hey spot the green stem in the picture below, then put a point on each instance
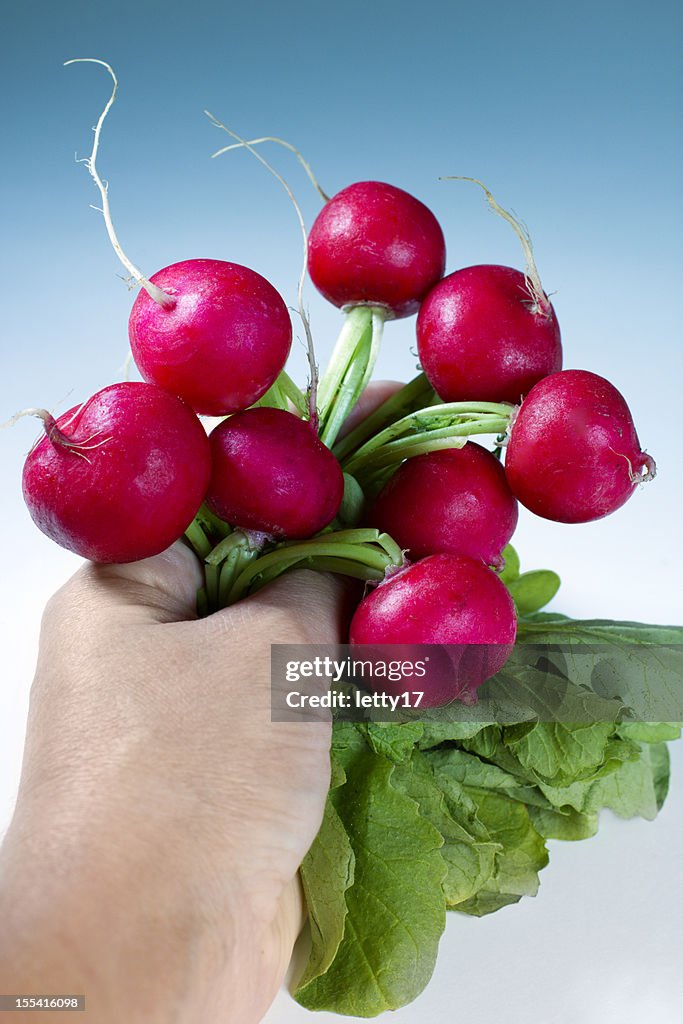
(210, 522)
(211, 575)
(198, 539)
(293, 393)
(350, 368)
(409, 398)
(365, 548)
(396, 451)
(226, 546)
(435, 417)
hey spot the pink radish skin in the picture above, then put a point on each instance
(574, 455)
(455, 500)
(374, 244)
(131, 479)
(223, 342)
(478, 335)
(271, 474)
(447, 600)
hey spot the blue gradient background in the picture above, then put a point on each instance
(571, 114)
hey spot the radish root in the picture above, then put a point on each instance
(287, 145)
(55, 434)
(163, 298)
(539, 299)
(310, 348)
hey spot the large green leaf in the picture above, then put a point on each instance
(396, 910)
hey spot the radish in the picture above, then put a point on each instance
(373, 244)
(221, 344)
(448, 600)
(120, 477)
(271, 474)
(573, 454)
(455, 499)
(214, 333)
(479, 334)
(489, 330)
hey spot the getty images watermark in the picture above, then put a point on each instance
(337, 672)
(576, 683)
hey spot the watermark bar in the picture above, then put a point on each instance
(565, 683)
(41, 1003)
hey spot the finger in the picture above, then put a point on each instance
(374, 395)
(158, 589)
(304, 607)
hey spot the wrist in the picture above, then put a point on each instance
(135, 928)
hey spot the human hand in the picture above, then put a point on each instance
(162, 817)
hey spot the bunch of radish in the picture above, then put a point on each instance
(404, 501)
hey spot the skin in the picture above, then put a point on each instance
(152, 859)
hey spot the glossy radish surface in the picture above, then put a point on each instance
(374, 244)
(126, 478)
(448, 600)
(478, 335)
(221, 345)
(455, 499)
(573, 454)
(271, 474)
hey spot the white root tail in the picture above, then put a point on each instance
(287, 145)
(56, 435)
(310, 348)
(163, 298)
(539, 299)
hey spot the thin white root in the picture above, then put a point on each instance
(125, 368)
(287, 145)
(55, 434)
(310, 348)
(540, 301)
(163, 298)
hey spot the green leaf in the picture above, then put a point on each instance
(522, 856)
(434, 732)
(395, 742)
(533, 590)
(650, 732)
(661, 771)
(326, 873)
(396, 910)
(568, 823)
(469, 862)
(511, 570)
(558, 754)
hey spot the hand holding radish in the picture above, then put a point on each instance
(402, 499)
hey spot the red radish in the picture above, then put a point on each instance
(214, 333)
(222, 343)
(375, 245)
(120, 477)
(453, 499)
(480, 333)
(446, 600)
(574, 455)
(271, 474)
